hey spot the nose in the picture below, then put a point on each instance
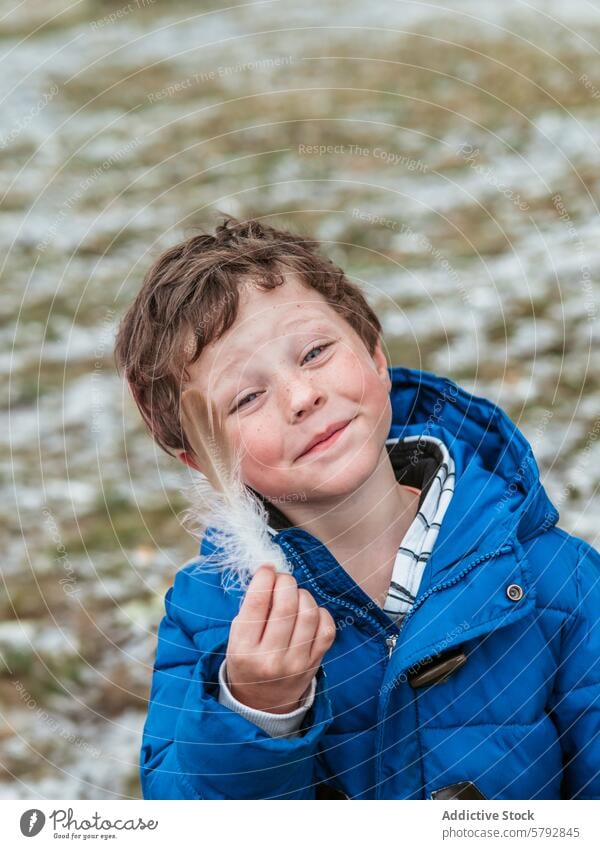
(304, 397)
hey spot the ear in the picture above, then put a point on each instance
(381, 365)
(187, 459)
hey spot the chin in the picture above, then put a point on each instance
(348, 478)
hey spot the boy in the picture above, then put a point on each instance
(438, 638)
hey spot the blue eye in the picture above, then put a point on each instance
(246, 397)
(316, 348)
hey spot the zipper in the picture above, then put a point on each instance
(391, 643)
(360, 612)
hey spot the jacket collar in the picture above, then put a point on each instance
(498, 497)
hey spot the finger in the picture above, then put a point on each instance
(282, 617)
(254, 612)
(324, 637)
(307, 623)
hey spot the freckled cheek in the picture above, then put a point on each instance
(264, 463)
(263, 448)
(375, 406)
(375, 395)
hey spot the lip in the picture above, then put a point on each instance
(333, 433)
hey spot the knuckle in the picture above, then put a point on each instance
(287, 602)
(284, 579)
(309, 602)
(262, 671)
(310, 615)
(269, 667)
(326, 618)
(242, 647)
(295, 668)
(253, 602)
(307, 598)
(286, 606)
(327, 628)
(330, 635)
(306, 646)
(325, 637)
(240, 659)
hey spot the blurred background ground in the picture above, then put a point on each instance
(458, 184)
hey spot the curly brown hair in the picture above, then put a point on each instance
(192, 291)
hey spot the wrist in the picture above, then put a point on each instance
(269, 704)
(275, 725)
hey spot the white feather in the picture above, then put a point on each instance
(221, 506)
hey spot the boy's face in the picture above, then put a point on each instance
(287, 369)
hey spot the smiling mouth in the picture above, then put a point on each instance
(325, 443)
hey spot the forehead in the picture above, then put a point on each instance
(287, 310)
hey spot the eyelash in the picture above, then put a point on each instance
(241, 403)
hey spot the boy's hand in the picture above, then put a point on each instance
(276, 643)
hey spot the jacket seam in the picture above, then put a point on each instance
(418, 733)
(582, 551)
(555, 692)
(466, 639)
(575, 689)
(209, 628)
(486, 725)
(183, 777)
(553, 609)
(571, 615)
(202, 630)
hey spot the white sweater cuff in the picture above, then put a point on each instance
(274, 724)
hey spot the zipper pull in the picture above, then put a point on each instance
(390, 643)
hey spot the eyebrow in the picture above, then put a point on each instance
(231, 360)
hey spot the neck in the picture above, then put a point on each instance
(363, 538)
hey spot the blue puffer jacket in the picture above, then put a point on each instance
(494, 678)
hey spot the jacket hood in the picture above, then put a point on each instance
(498, 495)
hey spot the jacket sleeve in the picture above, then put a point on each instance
(193, 747)
(575, 703)
(275, 724)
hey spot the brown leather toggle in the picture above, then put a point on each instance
(326, 791)
(436, 669)
(461, 790)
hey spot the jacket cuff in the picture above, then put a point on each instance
(274, 724)
(222, 755)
